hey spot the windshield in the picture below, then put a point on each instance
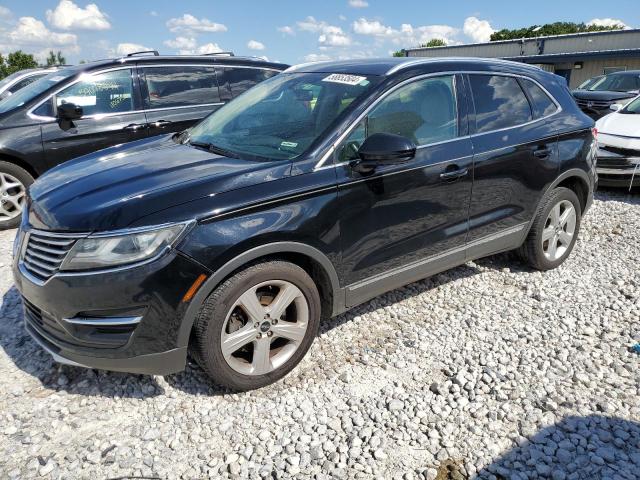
(34, 89)
(632, 107)
(616, 83)
(281, 117)
(588, 82)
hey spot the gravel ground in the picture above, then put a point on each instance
(490, 370)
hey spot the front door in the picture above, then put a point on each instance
(403, 222)
(110, 117)
(177, 96)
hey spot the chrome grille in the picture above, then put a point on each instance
(45, 253)
(599, 104)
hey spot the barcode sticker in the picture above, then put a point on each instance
(344, 78)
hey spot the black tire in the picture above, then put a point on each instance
(532, 249)
(23, 177)
(207, 342)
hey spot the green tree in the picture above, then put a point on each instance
(55, 59)
(434, 42)
(400, 53)
(556, 28)
(16, 61)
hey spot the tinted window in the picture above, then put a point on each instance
(239, 80)
(109, 92)
(25, 81)
(30, 92)
(499, 102)
(179, 86)
(542, 104)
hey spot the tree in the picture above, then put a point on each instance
(400, 53)
(16, 61)
(55, 59)
(434, 42)
(557, 28)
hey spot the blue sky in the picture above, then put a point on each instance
(283, 30)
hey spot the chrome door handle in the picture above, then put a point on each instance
(161, 123)
(457, 173)
(134, 127)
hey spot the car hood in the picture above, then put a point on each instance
(620, 124)
(112, 188)
(601, 96)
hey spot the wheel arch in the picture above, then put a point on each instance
(316, 263)
(5, 157)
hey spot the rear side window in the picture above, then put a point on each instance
(179, 86)
(499, 102)
(542, 104)
(238, 80)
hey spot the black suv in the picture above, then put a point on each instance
(314, 191)
(596, 98)
(81, 109)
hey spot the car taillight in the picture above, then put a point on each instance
(594, 130)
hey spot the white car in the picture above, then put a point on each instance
(619, 146)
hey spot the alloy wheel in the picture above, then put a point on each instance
(12, 194)
(559, 230)
(264, 327)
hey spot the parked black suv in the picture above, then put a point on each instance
(81, 109)
(595, 98)
(313, 192)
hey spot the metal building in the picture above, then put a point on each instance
(576, 57)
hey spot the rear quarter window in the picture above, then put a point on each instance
(542, 104)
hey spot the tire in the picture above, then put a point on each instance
(14, 182)
(230, 315)
(538, 250)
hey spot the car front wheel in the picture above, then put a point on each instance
(14, 182)
(257, 325)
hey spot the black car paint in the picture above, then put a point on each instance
(596, 103)
(40, 143)
(361, 234)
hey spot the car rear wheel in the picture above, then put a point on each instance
(14, 182)
(257, 325)
(554, 230)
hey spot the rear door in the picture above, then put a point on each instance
(515, 157)
(177, 96)
(112, 115)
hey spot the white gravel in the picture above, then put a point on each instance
(490, 370)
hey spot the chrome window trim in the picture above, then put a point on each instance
(207, 65)
(348, 130)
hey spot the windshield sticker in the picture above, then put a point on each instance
(289, 144)
(344, 78)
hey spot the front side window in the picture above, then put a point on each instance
(542, 104)
(499, 102)
(178, 86)
(282, 117)
(424, 111)
(109, 92)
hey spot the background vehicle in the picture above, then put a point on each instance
(587, 83)
(619, 87)
(313, 192)
(18, 80)
(619, 146)
(81, 109)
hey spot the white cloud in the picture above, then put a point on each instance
(287, 30)
(330, 35)
(255, 45)
(190, 24)
(30, 31)
(363, 26)
(477, 30)
(316, 57)
(358, 3)
(208, 48)
(342, 17)
(126, 48)
(607, 22)
(5, 13)
(153, 13)
(182, 43)
(67, 15)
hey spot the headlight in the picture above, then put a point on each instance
(119, 248)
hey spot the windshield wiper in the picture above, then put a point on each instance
(214, 149)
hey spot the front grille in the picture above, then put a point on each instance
(45, 253)
(597, 104)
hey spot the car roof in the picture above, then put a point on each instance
(179, 59)
(625, 72)
(392, 65)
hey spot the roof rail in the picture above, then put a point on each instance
(226, 54)
(144, 52)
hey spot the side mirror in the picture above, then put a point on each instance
(383, 149)
(69, 111)
(615, 107)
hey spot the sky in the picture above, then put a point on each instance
(289, 31)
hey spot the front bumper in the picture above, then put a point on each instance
(618, 167)
(123, 320)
